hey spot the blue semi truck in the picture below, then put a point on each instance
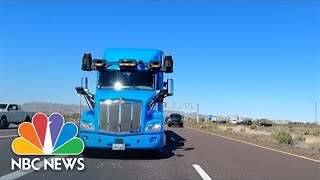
(126, 111)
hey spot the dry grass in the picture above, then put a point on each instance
(72, 118)
(243, 130)
(289, 138)
(253, 126)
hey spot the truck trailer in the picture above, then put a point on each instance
(126, 111)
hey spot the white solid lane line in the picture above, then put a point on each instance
(8, 136)
(201, 172)
(20, 173)
(172, 139)
(16, 129)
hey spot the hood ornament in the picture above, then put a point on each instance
(120, 101)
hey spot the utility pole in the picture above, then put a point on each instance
(316, 111)
(197, 113)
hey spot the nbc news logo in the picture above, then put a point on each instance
(47, 137)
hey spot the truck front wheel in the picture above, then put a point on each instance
(87, 152)
(4, 123)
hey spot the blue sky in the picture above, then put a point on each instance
(258, 60)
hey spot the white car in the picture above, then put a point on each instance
(233, 121)
(12, 113)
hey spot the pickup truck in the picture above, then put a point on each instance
(265, 122)
(12, 113)
(175, 119)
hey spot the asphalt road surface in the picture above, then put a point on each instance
(188, 154)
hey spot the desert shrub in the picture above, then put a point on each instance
(283, 137)
(253, 126)
(243, 130)
(72, 117)
(315, 132)
(212, 126)
(300, 138)
(204, 126)
(307, 132)
(229, 130)
(315, 146)
(192, 123)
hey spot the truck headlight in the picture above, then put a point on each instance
(117, 86)
(86, 125)
(153, 127)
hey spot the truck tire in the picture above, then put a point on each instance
(87, 152)
(28, 119)
(4, 123)
(181, 125)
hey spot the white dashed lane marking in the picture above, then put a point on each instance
(100, 165)
(201, 172)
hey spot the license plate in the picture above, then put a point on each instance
(118, 147)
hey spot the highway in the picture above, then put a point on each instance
(188, 154)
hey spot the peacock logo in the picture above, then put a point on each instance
(46, 136)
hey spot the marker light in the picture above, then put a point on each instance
(108, 102)
(155, 64)
(99, 62)
(117, 86)
(127, 62)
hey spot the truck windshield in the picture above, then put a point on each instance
(3, 106)
(127, 80)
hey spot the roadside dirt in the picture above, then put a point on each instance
(237, 128)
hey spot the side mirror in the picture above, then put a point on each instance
(84, 82)
(167, 64)
(170, 87)
(86, 62)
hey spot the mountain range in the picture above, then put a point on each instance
(52, 107)
(48, 108)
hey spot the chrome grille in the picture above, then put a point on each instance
(116, 117)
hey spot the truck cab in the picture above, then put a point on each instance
(126, 111)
